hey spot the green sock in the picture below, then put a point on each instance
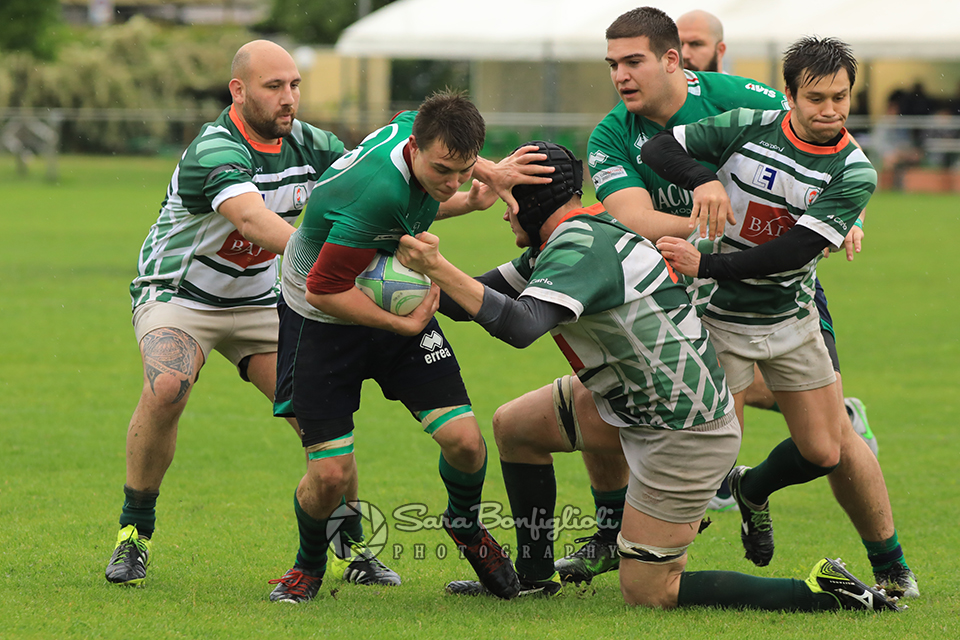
(785, 466)
(609, 511)
(885, 554)
(139, 509)
(312, 554)
(532, 489)
(463, 496)
(730, 589)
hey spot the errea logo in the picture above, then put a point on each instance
(597, 157)
(433, 343)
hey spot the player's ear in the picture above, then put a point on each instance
(789, 95)
(237, 91)
(672, 60)
(412, 140)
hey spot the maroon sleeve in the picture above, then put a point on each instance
(336, 268)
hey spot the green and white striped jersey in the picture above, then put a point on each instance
(775, 181)
(195, 257)
(635, 341)
(367, 199)
(614, 146)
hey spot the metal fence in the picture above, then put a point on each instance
(904, 140)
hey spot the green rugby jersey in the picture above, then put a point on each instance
(614, 146)
(366, 199)
(636, 341)
(195, 257)
(776, 181)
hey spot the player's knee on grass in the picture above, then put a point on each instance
(649, 575)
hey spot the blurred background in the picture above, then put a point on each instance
(140, 76)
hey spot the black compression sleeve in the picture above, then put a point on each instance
(518, 322)
(667, 157)
(792, 250)
(493, 279)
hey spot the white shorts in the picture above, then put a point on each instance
(793, 358)
(236, 333)
(674, 473)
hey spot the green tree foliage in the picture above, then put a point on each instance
(29, 26)
(314, 21)
(135, 65)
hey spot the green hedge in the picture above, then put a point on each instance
(135, 65)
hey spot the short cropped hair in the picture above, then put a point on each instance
(811, 58)
(449, 117)
(648, 22)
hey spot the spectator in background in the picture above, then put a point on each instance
(894, 145)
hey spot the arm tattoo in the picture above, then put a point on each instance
(169, 351)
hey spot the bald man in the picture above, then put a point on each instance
(207, 271)
(701, 37)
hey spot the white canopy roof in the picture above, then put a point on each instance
(573, 29)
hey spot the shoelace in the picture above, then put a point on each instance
(296, 582)
(583, 551)
(494, 557)
(127, 547)
(761, 520)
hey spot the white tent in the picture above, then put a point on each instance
(573, 29)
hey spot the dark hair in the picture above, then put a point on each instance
(811, 58)
(449, 117)
(650, 23)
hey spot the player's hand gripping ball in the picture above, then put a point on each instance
(392, 286)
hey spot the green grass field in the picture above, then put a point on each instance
(70, 377)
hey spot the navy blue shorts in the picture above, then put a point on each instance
(321, 367)
(826, 325)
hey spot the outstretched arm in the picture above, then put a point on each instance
(792, 250)
(517, 322)
(515, 169)
(256, 223)
(711, 206)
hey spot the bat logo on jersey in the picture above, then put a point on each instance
(765, 177)
(811, 195)
(433, 342)
(299, 197)
(242, 252)
(764, 223)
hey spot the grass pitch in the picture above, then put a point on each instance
(70, 376)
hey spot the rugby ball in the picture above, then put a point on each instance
(392, 286)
